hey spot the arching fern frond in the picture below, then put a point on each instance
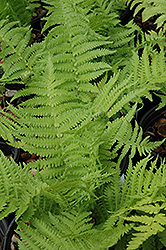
(122, 136)
(18, 57)
(146, 71)
(59, 128)
(16, 10)
(133, 140)
(136, 198)
(150, 8)
(9, 186)
(68, 230)
(15, 189)
(79, 43)
(101, 14)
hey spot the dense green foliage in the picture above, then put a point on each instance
(150, 8)
(17, 10)
(81, 75)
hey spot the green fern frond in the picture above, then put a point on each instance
(155, 38)
(7, 172)
(121, 135)
(68, 230)
(73, 123)
(14, 47)
(121, 36)
(146, 73)
(11, 38)
(113, 192)
(133, 140)
(150, 8)
(162, 237)
(110, 94)
(16, 11)
(148, 208)
(13, 182)
(109, 237)
(102, 15)
(150, 226)
(78, 48)
(57, 75)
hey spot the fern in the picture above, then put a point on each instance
(13, 181)
(101, 15)
(69, 231)
(14, 47)
(73, 123)
(77, 48)
(53, 84)
(152, 219)
(153, 243)
(145, 72)
(16, 11)
(8, 190)
(148, 227)
(150, 8)
(162, 237)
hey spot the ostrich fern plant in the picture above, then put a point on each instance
(72, 122)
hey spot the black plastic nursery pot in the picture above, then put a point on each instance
(126, 15)
(9, 150)
(147, 117)
(37, 24)
(7, 227)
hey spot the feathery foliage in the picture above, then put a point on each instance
(20, 10)
(150, 9)
(18, 56)
(79, 85)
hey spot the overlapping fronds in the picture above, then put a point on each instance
(68, 230)
(142, 191)
(74, 44)
(16, 10)
(68, 126)
(9, 185)
(149, 70)
(73, 124)
(102, 15)
(16, 193)
(121, 136)
(18, 57)
(150, 9)
(64, 104)
(125, 39)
